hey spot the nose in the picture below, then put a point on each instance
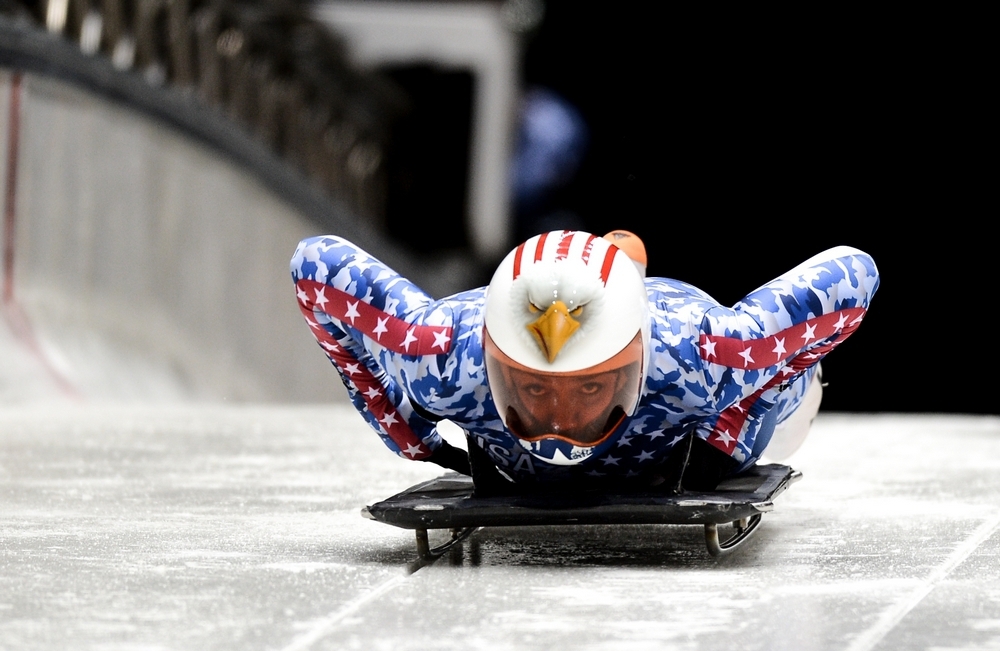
(563, 421)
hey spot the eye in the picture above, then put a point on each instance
(576, 311)
(534, 308)
(534, 390)
(591, 388)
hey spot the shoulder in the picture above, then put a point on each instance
(464, 309)
(675, 292)
(461, 314)
(677, 316)
(675, 305)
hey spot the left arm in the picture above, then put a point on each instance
(776, 335)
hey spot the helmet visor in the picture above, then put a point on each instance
(581, 407)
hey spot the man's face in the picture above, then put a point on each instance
(574, 407)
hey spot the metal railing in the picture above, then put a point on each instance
(266, 64)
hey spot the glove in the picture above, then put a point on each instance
(450, 457)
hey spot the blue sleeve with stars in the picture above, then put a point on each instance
(762, 352)
(408, 360)
(405, 358)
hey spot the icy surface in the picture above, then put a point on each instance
(208, 527)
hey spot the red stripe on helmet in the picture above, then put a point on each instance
(517, 260)
(540, 246)
(564, 243)
(609, 258)
(587, 248)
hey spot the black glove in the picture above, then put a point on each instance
(695, 465)
(452, 458)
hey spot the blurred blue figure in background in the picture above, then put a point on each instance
(552, 141)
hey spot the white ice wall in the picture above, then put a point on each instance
(146, 264)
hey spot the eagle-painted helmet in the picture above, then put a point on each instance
(566, 340)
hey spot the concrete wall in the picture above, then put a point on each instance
(147, 265)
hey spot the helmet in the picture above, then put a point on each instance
(566, 341)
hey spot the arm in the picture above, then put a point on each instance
(380, 331)
(773, 339)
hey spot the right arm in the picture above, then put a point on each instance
(382, 334)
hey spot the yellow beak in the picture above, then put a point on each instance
(553, 329)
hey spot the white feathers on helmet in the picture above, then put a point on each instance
(579, 270)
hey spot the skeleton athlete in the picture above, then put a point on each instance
(573, 370)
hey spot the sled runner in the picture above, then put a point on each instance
(448, 502)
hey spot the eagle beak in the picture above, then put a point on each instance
(553, 329)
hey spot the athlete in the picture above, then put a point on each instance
(572, 370)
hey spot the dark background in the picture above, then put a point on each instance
(737, 147)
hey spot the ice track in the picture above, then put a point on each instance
(238, 527)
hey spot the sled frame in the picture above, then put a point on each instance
(449, 502)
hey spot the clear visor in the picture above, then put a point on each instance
(581, 407)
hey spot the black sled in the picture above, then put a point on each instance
(450, 502)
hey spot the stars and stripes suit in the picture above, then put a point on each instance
(409, 360)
